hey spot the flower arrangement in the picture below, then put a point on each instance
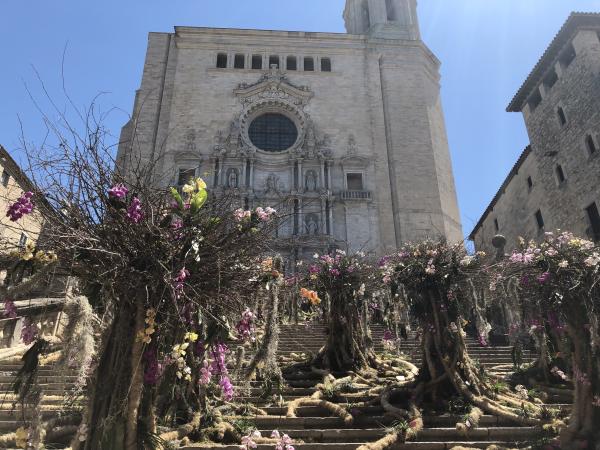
(23, 206)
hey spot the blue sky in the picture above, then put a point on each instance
(487, 48)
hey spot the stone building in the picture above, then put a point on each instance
(13, 183)
(555, 184)
(342, 133)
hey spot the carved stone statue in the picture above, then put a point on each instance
(190, 141)
(232, 178)
(234, 133)
(312, 225)
(272, 183)
(310, 141)
(219, 148)
(352, 145)
(310, 181)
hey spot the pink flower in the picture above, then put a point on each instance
(543, 277)
(21, 207)
(118, 191)
(265, 214)
(245, 327)
(335, 272)
(226, 388)
(205, 374)
(240, 215)
(134, 212)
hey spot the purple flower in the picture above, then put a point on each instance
(153, 370)
(245, 327)
(21, 207)
(388, 336)
(29, 332)
(10, 309)
(543, 277)
(226, 388)
(205, 374)
(118, 191)
(134, 212)
(314, 269)
(334, 272)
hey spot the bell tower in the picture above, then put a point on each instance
(387, 19)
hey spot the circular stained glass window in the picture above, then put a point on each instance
(273, 132)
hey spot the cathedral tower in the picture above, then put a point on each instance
(388, 19)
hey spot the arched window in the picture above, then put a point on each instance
(309, 64)
(222, 61)
(291, 63)
(274, 61)
(257, 62)
(239, 61)
(590, 145)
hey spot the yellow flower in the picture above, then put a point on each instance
(189, 188)
(192, 337)
(21, 437)
(200, 184)
(27, 256)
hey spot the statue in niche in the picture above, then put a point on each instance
(272, 183)
(310, 141)
(310, 181)
(234, 133)
(232, 178)
(352, 150)
(190, 141)
(312, 225)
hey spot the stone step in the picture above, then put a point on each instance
(518, 434)
(354, 445)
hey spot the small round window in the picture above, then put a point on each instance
(273, 132)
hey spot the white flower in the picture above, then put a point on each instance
(593, 260)
(563, 264)
(466, 261)
(316, 256)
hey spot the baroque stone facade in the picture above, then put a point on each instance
(343, 133)
(555, 183)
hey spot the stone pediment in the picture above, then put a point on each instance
(273, 86)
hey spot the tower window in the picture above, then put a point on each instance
(309, 64)
(561, 116)
(291, 63)
(185, 175)
(222, 61)
(257, 62)
(539, 219)
(594, 218)
(5, 178)
(560, 174)
(354, 181)
(535, 99)
(22, 240)
(551, 79)
(567, 56)
(239, 62)
(529, 182)
(391, 10)
(590, 145)
(325, 65)
(496, 226)
(274, 61)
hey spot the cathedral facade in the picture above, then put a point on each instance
(343, 133)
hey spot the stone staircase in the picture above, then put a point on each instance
(314, 428)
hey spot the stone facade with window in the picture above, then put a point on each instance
(343, 133)
(555, 184)
(13, 183)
